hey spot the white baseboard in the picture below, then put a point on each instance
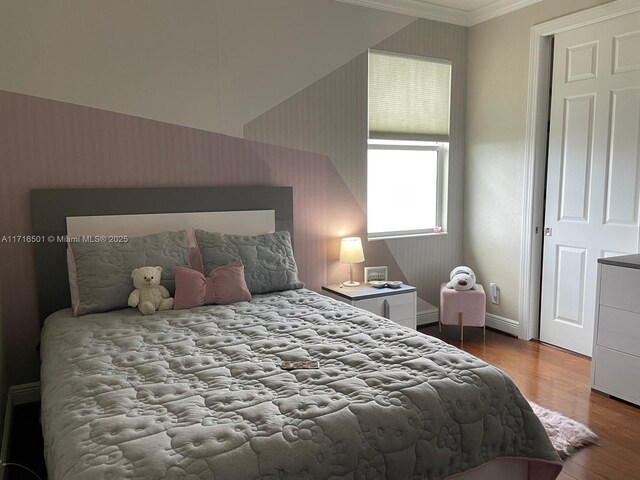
(427, 318)
(503, 324)
(497, 322)
(18, 395)
(25, 393)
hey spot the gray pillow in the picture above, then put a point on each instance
(268, 260)
(100, 273)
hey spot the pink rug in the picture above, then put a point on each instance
(566, 434)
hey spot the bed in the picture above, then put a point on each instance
(200, 393)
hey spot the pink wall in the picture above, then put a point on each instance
(49, 144)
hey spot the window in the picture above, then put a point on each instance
(408, 144)
(402, 175)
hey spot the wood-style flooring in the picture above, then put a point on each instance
(560, 381)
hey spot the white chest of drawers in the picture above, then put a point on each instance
(615, 367)
(397, 304)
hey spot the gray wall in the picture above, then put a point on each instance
(496, 127)
(427, 261)
(208, 64)
(330, 117)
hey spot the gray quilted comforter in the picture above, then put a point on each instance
(199, 394)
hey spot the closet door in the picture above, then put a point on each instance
(593, 173)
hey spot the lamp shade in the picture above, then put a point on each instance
(351, 250)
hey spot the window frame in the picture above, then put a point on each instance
(441, 148)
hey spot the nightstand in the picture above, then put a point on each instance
(397, 304)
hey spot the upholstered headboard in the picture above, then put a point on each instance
(51, 207)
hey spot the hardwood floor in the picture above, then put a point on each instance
(560, 381)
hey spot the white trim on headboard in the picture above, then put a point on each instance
(248, 222)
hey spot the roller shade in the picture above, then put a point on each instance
(409, 96)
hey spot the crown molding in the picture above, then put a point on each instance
(432, 11)
(416, 8)
(497, 9)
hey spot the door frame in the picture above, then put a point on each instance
(535, 158)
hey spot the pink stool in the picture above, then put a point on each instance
(462, 308)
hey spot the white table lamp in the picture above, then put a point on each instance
(351, 252)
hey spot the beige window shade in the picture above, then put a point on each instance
(409, 96)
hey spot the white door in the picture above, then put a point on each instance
(593, 176)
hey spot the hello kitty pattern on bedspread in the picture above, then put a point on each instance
(199, 394)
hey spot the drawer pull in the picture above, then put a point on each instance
(386, 310)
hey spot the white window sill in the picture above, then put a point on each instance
(392, 237)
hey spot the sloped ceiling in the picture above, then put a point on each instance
(459, 12)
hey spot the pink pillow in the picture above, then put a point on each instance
(195, 257)
(223, 285)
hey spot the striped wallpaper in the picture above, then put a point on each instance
(330, 117)
(48, 144)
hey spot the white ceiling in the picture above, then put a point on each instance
(459, 12)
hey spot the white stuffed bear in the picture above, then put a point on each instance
(462, 278)
(149, 295)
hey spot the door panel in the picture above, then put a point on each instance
(569, 287)
(593, 175)
(626, 48)
(622, 168)
(576, 157)
(582, 61)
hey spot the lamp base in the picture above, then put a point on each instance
(350, 283)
